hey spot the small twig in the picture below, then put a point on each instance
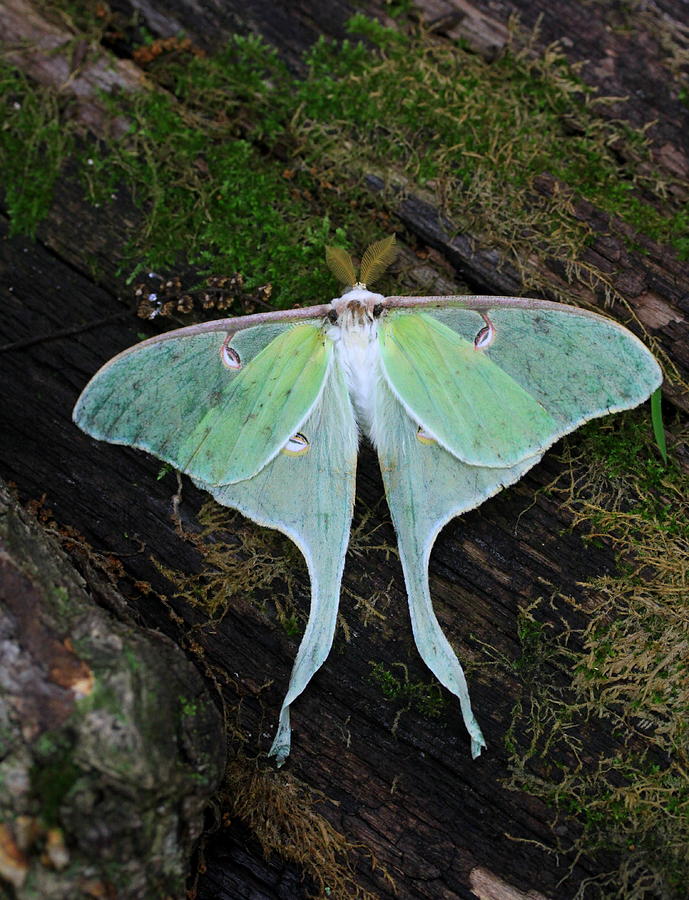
(65, 332)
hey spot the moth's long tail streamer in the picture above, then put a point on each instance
(435, 649)
(312, 653)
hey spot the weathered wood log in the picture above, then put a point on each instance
(400, 783)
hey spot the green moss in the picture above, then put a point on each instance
(477, 134)
(209, 168)
(241, 166)
(53, 776)
(648, 491)
(35, 141)
(534, 640)
(133, 660)
(219, 205)
(63, 604)
(292, 625)
(424, 697)
(189, 707)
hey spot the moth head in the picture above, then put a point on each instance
(376, 259)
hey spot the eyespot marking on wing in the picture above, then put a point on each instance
(229, 356)
(424, 437)
(486, 335)
(297, 445)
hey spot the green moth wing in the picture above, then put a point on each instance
(467, 404)
(465, 400)
(308, 494)
(577, 364)
(218, 406)
(426, 487)
(572, 365)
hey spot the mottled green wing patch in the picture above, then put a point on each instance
(467, 402)
(576, 364)
(177, 399)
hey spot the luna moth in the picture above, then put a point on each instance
(460, 395)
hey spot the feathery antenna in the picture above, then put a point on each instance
(341, 265)
(376, 259)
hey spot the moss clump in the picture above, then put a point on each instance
(215, 203)
(477, 133)
(282, 814)
(425, 697)
(213, 164)
(625, 673)
(35, 140)
(435, 116)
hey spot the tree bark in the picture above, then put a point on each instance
(111, 743)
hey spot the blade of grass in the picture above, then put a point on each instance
(657, 420)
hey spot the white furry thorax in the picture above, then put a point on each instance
(355, 336)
